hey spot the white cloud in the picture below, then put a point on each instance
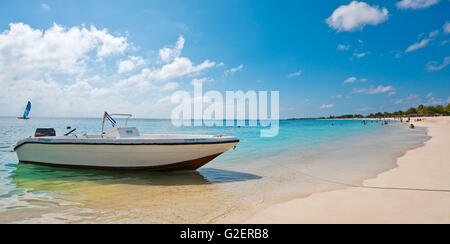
(416, 4)
(360, 55)
(433, 34)
(350, 80)
(433, 65)
(180, 66)
(80, 98)
(32, 52)
(392, 93)
(199, 81)
(125, 66)
(337, 96)
(418, 45)
(169, 54)
(298, 73)
(422, 43)
(446, 27)
(130, 64)
(45, 7)
(374, 90)
(355, 16)
(64, 72)
(170, 86)
(110, 45)
(327, 106)
(140, 80)
(354, 79)
(234, 70)
(342, 47)
(176, 67)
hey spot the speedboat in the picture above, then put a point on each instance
(122, 148)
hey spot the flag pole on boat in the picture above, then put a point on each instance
(103, 123)
(113, 121)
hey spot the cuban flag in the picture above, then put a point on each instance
(113, 122)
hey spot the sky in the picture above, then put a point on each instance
(80, 58)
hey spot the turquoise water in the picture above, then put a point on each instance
(235, 180)
(292, 134)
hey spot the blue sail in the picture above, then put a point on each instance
(27, 109)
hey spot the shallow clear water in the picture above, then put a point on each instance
(258, 171)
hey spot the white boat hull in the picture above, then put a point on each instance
(121, 156)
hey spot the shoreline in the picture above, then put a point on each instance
(422, 167)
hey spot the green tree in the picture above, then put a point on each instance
(440, 109)
(411, 111)
(447, 108)
(429, 110)
(398, 113)
(420, 109)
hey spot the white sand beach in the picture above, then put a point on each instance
(426, 167)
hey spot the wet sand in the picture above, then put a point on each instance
(426, 167)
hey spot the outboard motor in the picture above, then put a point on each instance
(41, 132)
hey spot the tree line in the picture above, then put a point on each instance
(420, 110)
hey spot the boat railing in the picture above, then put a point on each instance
(125, 115)
(126, 121)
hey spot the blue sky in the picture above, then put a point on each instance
(325, 57)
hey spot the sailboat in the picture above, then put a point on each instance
(27, 111)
